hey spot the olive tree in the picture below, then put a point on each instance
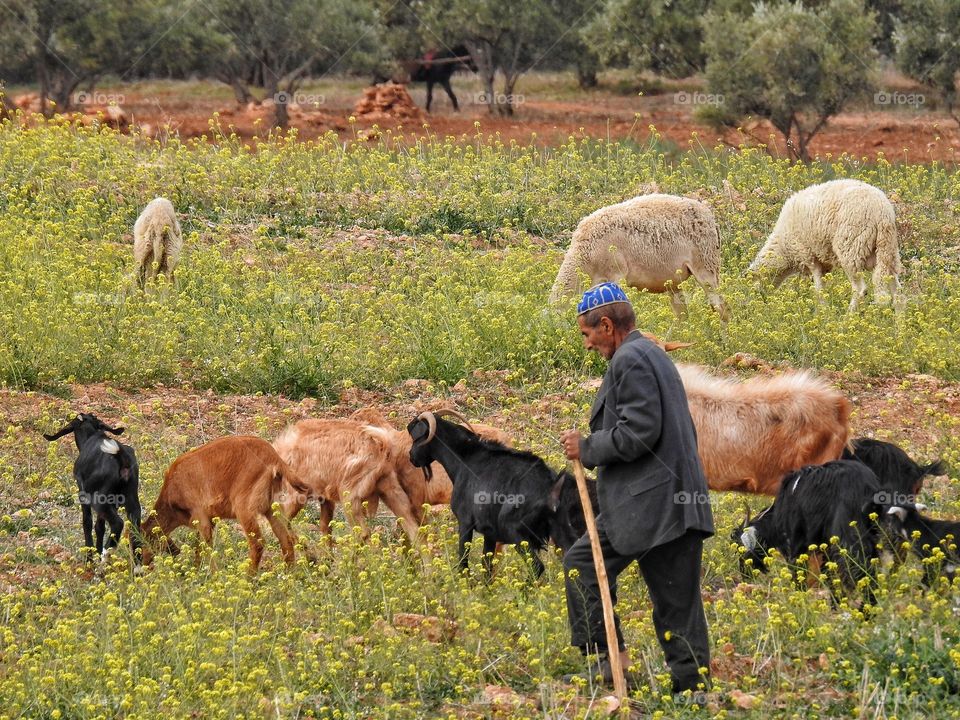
(927, 45)
(793, 65)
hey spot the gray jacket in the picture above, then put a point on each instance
(650, 480)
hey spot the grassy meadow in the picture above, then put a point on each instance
(322, 276)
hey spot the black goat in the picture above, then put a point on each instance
(930, 535)
(897, 473)
(813, 505)
(506, 495)
(438, 67)
(107, 477)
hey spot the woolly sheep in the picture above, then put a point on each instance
(651, 242)
(156, 240)
(844, 223)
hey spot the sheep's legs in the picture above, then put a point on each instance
(859, 291)
(677, 301)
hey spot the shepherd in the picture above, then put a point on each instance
(654, 505)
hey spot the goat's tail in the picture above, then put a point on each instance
(567, 279)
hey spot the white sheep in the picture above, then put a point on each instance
(156, 240)
(651, 242)
(842, 222)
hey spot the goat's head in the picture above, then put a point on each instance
(748, 536)
(85, 424)
(423, 430)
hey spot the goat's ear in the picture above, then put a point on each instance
(116, 430)
(553, 500)
(671, 346)
(65, 430)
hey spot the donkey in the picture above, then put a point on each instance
(436, 66)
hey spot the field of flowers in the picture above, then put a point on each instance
(318, 277)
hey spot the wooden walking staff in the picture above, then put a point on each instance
(613, 647)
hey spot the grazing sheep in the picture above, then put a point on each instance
(239, 476)
(156, 240)
(651, 242)
(751, 434)
(844, 223)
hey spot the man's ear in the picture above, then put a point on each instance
(607, 324)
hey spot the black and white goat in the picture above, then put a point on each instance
(814, 505)
(926, 535)
(506, 495)
(107, 478)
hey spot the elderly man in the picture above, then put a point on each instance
(654, 505)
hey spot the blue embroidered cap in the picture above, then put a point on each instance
(605, 293)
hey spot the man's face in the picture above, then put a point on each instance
(600, 338)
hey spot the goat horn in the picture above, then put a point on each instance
(431, 424)
(447, 412)
(746, 509)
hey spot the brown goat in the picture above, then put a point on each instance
(439, 489)
(238, 476)
(367, 459)
(751, 434)
(346, 459)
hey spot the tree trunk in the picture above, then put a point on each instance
(240, 92)
(483, 58)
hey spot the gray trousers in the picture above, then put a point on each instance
(672, 574)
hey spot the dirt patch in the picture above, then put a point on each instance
(920, 136)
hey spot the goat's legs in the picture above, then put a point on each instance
(429, 94)
(99, 528)
(466, 535)
(251, 527)
(489, 550)
(112, 517)
(532, 556)
(400, 505)
(286, 538)
(87, 521)
(134, 515)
